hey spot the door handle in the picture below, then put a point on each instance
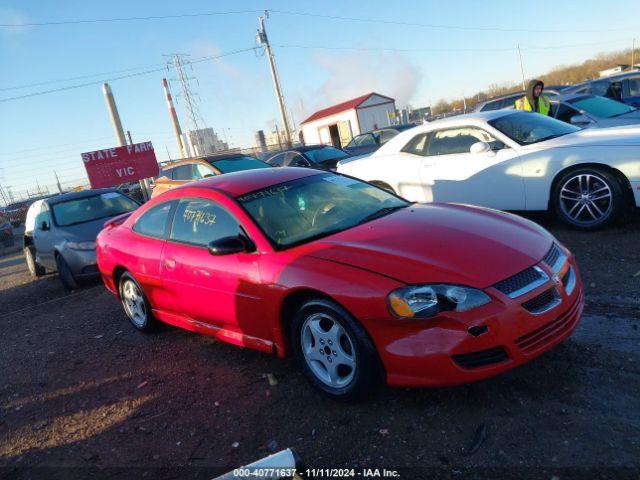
(169, 263)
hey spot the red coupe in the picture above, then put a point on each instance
(358, 284)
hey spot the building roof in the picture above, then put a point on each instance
(341, 107)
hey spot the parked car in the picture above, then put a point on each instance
(60, 232)
(17, 211)
(512, 160)
(6, 231)
(192, 169)
(623, 88)
(591, 111)
(324, 157)
(358, 284)
(509, 100)
(370, 141)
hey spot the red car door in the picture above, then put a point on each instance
(143, 255)
(222, 291)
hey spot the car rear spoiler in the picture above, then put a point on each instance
(115, 221)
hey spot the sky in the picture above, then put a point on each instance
(418, 52)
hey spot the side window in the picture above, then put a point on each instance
(614, 91)
(634, 87)
(198, 222)
(277, 160)
(294, 159)
(202, 171)
(459, 140)
(600, 88)
(43, 216)
(183, 172)
(168, 173)
(565, 113)
(417, 144)
(386, 135)
(154, 222)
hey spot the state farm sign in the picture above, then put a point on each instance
(113, 166)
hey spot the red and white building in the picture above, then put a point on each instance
(338, 124)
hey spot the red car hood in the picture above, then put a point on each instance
(440, 243)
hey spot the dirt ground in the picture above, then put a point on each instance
(84, 394)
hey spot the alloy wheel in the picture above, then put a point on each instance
(134, 303)
(586, 198)
(328, 350)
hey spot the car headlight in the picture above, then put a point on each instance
(425, 301)
(82, 245)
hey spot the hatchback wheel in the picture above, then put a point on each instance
(35, 269)
(334, 351)
(135, 303)
(588, 198)
(65, 274)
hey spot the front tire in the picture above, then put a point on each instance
(36, 270)
(65, 274)
(334, 351)
(135, 304)
(588, 198)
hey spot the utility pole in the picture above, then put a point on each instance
(174, 117)
(521, 68)
(633, 53)
(264, 40)
(58, 182)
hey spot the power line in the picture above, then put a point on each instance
(444, 26)
(131, 75)
(124, 19)
(474, 50)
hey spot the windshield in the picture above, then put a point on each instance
(319, 155)
(308, 208)
(601, 107)
(528, 127)
(236, 164)
(91, 208)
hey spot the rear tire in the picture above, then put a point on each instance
(35, 269)
(588, 198)
(65, 275)
(334, 351)
(135, 304)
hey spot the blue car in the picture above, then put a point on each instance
(624, 88)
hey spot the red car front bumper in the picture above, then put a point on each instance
(470, 346)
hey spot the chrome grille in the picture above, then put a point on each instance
(554, 258)
(543, 302)
(522, 282)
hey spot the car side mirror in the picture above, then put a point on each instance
(44, 226)
(480, 147)
(580, 120)
(229, 245)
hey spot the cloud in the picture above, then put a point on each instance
(353, 74)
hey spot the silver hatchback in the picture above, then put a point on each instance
(60, 232)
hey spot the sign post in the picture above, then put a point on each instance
(113, 166)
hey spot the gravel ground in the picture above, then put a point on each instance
(83, 394)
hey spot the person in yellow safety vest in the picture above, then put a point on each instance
(534, 101)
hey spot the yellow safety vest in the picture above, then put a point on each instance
(543, 104)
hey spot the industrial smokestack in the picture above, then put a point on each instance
(113, 113)
(174, 117)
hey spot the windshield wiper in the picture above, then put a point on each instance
(380, 213)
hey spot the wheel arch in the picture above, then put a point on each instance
(290, 304)
(627, 191)
(118, 271)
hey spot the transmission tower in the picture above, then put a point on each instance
(180, 62)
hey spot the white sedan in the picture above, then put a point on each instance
(511, 160)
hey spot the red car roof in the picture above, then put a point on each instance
(239, 183)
